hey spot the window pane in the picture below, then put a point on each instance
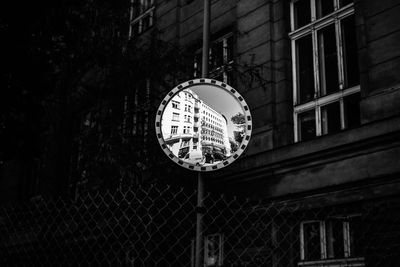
(352, 74)
(312, 241)
(136, 29)
(136, 8)
(329, 76)
(230, 78)
(357, 233)
(146, 22)
(331, 118)
(307, 125)
(324, 7)
(345, 2)
(229, 49)
(217, 55)
(302, 11)
(305, 69)
(335, 239)
(352, 110)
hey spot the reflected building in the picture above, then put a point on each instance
(190, 124)
(214, 132)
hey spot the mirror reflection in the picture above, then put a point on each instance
(203, 125)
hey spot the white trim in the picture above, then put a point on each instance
(318, 121)
(322, 229)
(347, 256)
(313, 7)
(348, 262)
(294, 71)
(292, 26)
(346, 240)
(133, 21)
(322, 22)
(342, 114)
(296, 126)
(315, 53)
(322, 101)
(302, 253)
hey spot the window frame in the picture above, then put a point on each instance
(175, 116)
(174, 129)
(319, 101)
(345, 220)
(146, 8)
(226, 64)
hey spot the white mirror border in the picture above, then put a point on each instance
(188, 85)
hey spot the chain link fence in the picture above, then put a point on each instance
(155, 226)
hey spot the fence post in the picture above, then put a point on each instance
(199, 222)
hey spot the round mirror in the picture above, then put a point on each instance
(203, 124)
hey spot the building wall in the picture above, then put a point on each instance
(179, 113)
(189, 123)
(274, 165)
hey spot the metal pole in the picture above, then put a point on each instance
(206, 38)
(199, 223)
(200, 182)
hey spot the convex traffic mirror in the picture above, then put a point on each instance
(203, 124)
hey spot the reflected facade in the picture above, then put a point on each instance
(195, 131)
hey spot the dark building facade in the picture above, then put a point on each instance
(321, 79)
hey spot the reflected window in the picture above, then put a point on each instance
(175, 116)
(174, 129)
(175, 104)
(326, 81)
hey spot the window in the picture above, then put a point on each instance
(186, 129)
(184, 143)
(325, 67)
(175, 104)
(332, 239)
(142, 13)
(175, 116)
(220, 59)
(174, 129)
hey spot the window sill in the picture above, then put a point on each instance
(349, 262)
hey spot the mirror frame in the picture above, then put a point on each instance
(207, 82)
